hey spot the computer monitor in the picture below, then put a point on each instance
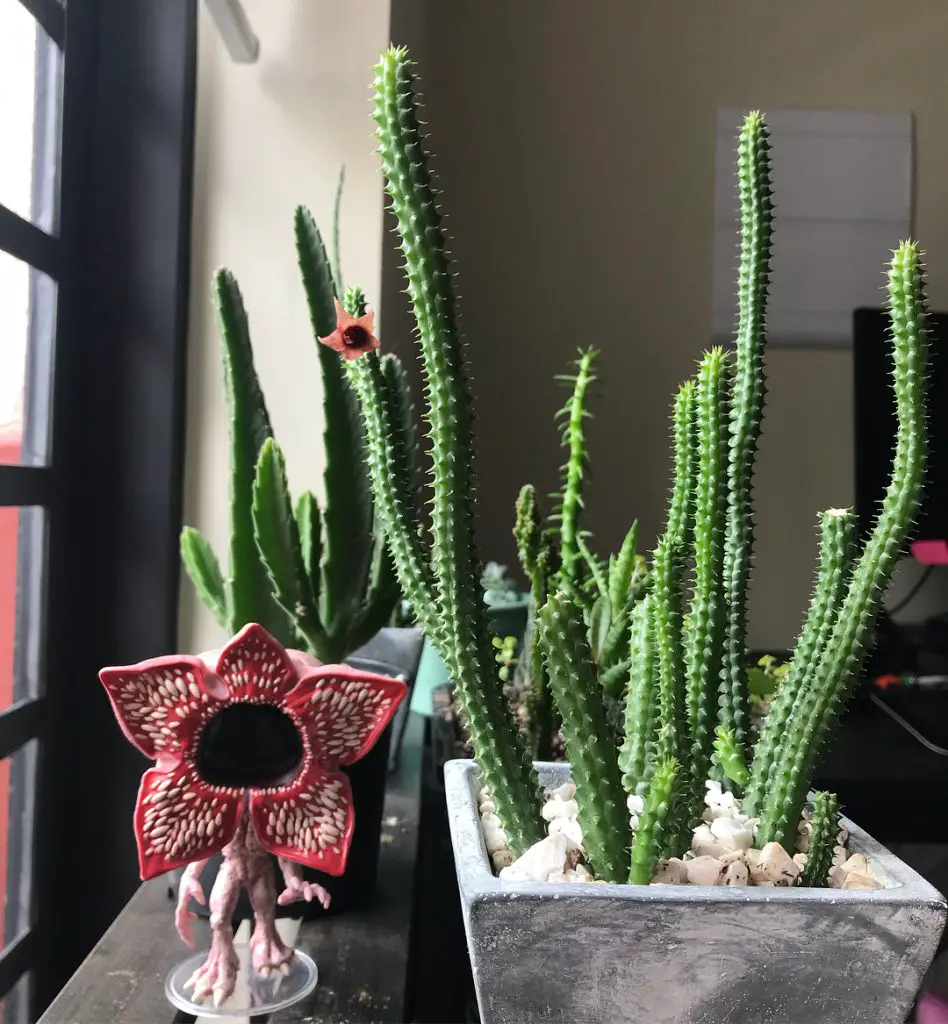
(874, 414)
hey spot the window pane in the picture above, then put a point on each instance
(27, 327)
(22, 576)
(30, 88)
(17, 790)
(15, 1008)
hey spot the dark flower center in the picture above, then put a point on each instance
(248, 746)
(355, 336)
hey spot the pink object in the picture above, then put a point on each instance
(930, 552)
(353, 335)
(932, 1009)
(211, 715)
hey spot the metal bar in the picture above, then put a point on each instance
(25, 485)
(20, 724)
(15, 959)
(28, 243)
(51, 17)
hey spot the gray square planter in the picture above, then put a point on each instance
(603, 954)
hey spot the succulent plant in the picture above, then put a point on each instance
(685, 673)
(318, 576)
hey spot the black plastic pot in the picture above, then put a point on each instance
(393, 652)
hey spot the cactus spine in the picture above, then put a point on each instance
(461, 632)
(589, 743)
(746, 408)
(829, 682)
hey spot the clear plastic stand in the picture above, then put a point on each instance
(253, 995)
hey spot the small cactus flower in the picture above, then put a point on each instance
(353, 334)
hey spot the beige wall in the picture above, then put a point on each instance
(271, 135)
(576, 154)
(575, 145)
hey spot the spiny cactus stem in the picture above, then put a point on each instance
(602, 811)
(705, 646)
(824, 833)
(828, 685)
(730, 756)
(747, 408)
(640, 710)
(681, 509)
(575, 468)
(667, 639)
(837, 533)
(650, 835)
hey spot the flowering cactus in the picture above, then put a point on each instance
(684, 668)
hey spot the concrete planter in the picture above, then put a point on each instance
(600, 954)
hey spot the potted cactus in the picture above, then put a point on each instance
(677, 868)
(318, 577)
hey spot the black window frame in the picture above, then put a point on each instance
(112, 489)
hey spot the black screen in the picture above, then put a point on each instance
(874, 411)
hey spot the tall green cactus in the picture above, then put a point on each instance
(443, 583)
(753, 169)
(828, 683)
(589, 743)
(705, 638)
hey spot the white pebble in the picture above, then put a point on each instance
(539, 862)
(635, 803)
(565, 792)
(671, 872)
(777, 866)
(704, 871)
(559, 809)
(736, 873)
(733, 833)
(568, 827)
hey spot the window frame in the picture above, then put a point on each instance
(112, 487)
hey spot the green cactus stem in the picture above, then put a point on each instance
(829, 683)
(824, 834)
(681, 508)
(205, 571)
(340, 287)
(640, 703)
(589, 741)
(570, 499)
(535, 557)
(746, 410)
(705, 638)
(837, 540)
(462, 636)
(666, 632)
(278, 539)
(622, 568)
(248, 591)
(650, 836)
(730, 756)
(347, 516)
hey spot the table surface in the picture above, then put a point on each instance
(362, 955)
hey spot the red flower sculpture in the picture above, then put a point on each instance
(353, 334)
(166, 706)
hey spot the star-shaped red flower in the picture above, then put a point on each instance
(164, 706)
(353, 335)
